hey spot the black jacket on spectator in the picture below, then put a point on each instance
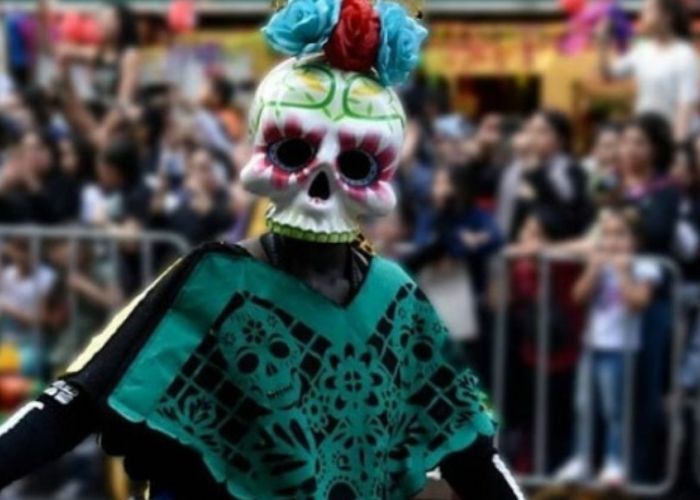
(558, 190)
(63, 193)
(198, 227)
(24, 206)
(659, 210)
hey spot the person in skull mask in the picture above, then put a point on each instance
(299, 364)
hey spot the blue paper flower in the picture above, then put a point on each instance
(401, 39)
(302, 26)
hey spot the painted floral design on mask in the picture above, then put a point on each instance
(327, 144)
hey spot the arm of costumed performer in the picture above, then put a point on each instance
(44, 430)
(68, 411)
(479, 473)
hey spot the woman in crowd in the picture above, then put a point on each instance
(554, 182)
(664, 66)
(114, 60)
(199, 209)
(111, 56)
(646, 155)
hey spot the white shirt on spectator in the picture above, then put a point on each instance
(98, 207)
(449, 288)
(26, 292)
(667, 76)
(612, 325)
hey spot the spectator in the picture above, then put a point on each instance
(215, 119)
(219, 96)
(86, 287)
(449, 134)
(646, 154)
(23, 197)
(686, 175)
(619, 285)
(523, 158)
(72, 167)
(24, 286)
(603, 165)
(118, 193)
(454, 240)
(525, 290)
(115, 60)
(520, 287)
(489, 159)
(200, 210)
(554, 182)
(664, 66)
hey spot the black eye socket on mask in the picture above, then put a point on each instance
(291, 154)
(358, 167)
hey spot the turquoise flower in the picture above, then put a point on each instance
(401, 39)
(302, 26)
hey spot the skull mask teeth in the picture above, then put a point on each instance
(326, 145)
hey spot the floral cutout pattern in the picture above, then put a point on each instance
(282, 410)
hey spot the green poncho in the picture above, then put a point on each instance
(286, 394)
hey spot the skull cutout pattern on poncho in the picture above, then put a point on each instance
(265, 363)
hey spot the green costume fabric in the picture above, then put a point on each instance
(286, 394)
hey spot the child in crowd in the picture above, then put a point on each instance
(618, 285)
(24, 287)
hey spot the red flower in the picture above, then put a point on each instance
(354, 43)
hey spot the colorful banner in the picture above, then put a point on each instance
(460, 48)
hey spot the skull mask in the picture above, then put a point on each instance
(326, 145)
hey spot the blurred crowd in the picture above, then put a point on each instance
(486, 203)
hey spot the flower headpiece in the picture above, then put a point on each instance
(354, 35)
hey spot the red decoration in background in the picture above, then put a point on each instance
(80, 29)
(572, 7)
(182, 16)
(14, 390)
(90, 31)
(70, 27)
(354, 43)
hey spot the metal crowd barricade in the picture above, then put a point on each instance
(38, 238)
(28, 247)
(543, 470)
(692, 400)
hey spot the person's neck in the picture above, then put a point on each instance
(664, 38)
(305, 258)
(636, 179)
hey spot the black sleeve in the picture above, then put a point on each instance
(112, 351)
(477, 473)
(44, 430)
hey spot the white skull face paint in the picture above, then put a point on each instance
(327, 144)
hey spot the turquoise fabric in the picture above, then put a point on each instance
(286, 394)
